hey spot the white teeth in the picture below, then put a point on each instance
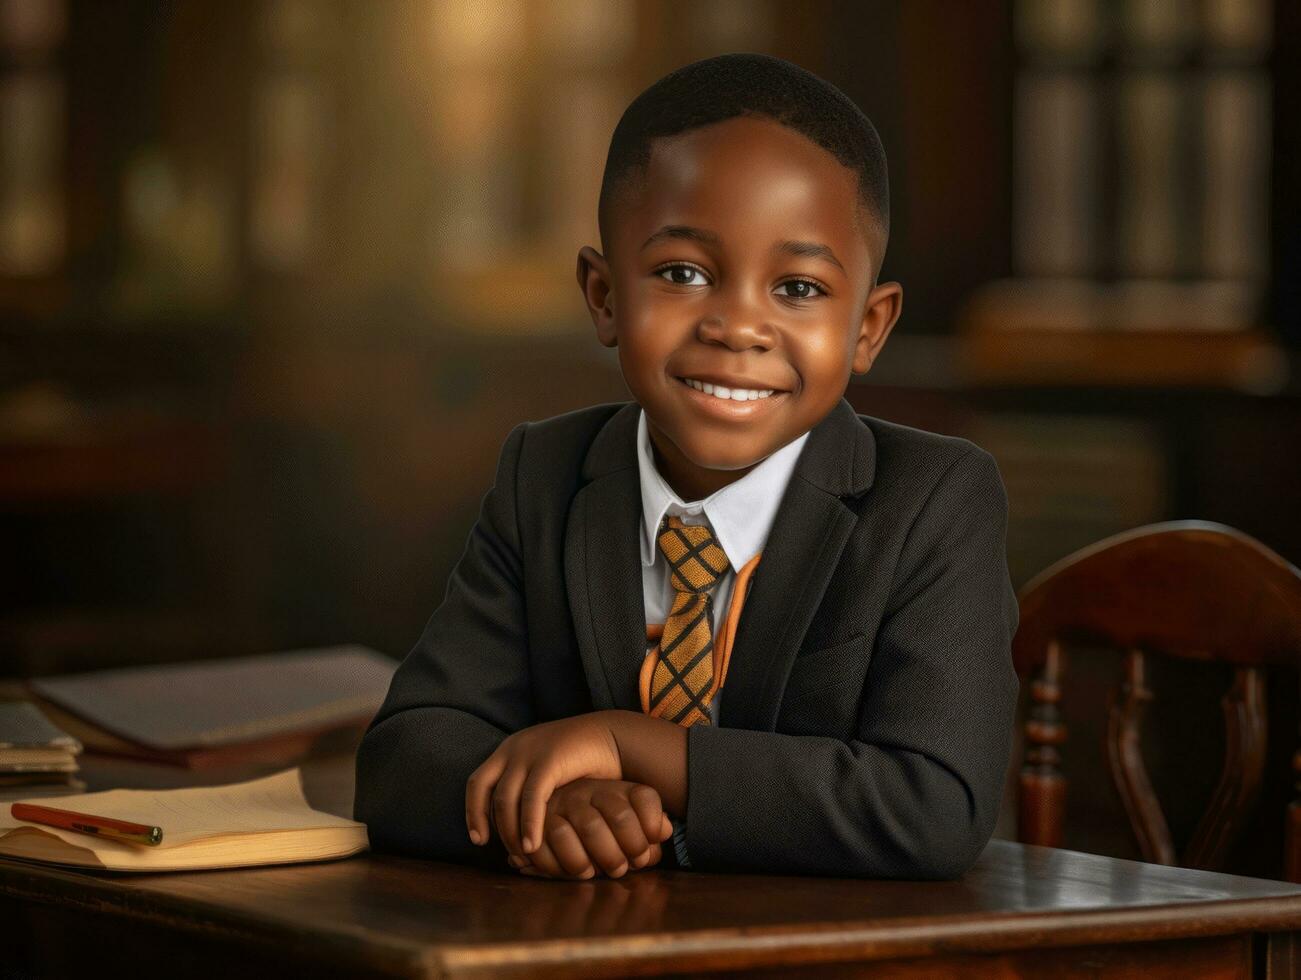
(728, 394)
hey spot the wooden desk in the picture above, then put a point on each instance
(1022, 911)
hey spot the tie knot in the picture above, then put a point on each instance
(696, 562)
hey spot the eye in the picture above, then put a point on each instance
(682, 274)
(680, 267)
(807, 285)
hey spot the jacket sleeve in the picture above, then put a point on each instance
(462, 689)
(916, 793)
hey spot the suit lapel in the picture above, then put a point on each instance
(603, 565)
(803, 549)
(808, 534)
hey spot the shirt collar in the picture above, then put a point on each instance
(740, 513)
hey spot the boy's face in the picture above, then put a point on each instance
(704, 280)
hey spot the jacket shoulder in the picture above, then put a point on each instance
(569, 425)
(568, 436)
(901, 446)
(912, 462)
(553, 449)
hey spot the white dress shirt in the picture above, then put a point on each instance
(740, 514)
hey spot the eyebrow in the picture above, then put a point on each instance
(808, 250)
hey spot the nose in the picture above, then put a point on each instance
(737, 321)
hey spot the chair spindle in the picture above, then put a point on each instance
(1245, 733)
(1043, 788)
(1125, 760)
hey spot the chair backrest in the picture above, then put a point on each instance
(1187, 589)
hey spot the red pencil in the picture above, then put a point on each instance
(87, 823)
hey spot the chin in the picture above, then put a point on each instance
(724, 460)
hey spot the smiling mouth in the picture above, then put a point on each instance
(724, 393)
(730, 409)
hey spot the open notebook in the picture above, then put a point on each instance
(262, 821)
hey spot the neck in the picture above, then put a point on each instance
(687, 479)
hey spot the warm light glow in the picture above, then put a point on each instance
(477, 32)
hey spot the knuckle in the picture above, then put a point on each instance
(564, 809)
(589, 823)
(561, 829)
(642, 792)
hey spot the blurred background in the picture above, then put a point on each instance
(278, 276)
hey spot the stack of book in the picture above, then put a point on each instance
(33, 750)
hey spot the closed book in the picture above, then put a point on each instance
(24, 726)
(266, 708)
(37, 760)
(31, 745)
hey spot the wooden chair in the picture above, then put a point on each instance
(1187, 589)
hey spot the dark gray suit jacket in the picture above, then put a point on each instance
(867, 717)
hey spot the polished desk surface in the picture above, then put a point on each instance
(389, 916)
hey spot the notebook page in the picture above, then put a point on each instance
(271, 803)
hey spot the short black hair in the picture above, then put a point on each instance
(731, 85)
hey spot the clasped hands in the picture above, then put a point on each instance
(556, 796)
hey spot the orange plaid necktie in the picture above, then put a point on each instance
(684, 667)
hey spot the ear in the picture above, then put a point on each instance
(598, 293)
(884, 304)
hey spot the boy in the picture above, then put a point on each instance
(731, 611)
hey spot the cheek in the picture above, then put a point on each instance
(640, 348)
(651, 329)
(642, 355)
(820, 354)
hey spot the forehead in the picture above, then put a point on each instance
(750, 180)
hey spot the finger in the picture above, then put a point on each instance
(543, 861)
(666, 828)
(599, 839)
(651, 858)
(536, 790)
(624, 825)
(646, 803)
(505, 807)
(478, 792)
(563, 843)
